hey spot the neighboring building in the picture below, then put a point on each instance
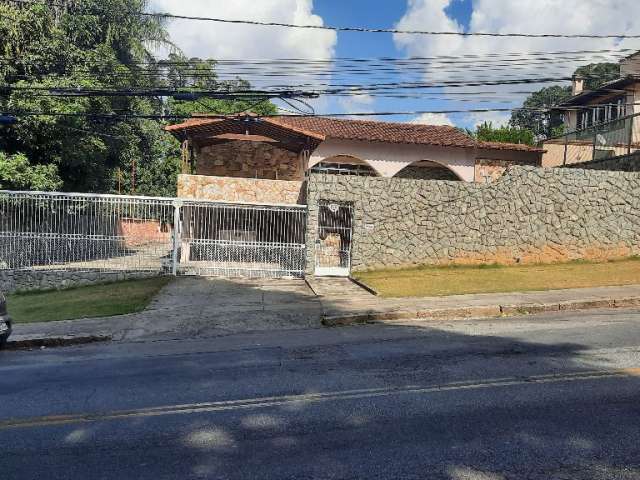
(251, 159)
(600, 121)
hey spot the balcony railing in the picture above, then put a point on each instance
(605, 140)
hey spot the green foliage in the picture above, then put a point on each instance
(506, 134)
(597, 74)
(16, 173)
(102, 45)
(541, 123)
(192, 74)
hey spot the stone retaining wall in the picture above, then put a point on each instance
(529, 215)
(247, 190)
(30, 280)
(249, 160)
(625, 163)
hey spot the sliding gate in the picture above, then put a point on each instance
(236, 240)
(42, 231)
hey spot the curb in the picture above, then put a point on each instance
(53, 342)
(364, 286)
(489, 311)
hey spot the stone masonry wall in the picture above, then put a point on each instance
(247, 190)
(625, 163)
(529, 215)
(30, 280)
(249, 160)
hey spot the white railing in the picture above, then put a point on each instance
(60, 231)
(605, 140)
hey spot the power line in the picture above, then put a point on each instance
(352, 28)
(125, 115)
(178, 94)
(303, 60)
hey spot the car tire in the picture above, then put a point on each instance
(3, 341)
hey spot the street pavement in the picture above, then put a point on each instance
(553, 396)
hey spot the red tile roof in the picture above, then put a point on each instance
(520, 147)
(322, 128)
(444, 136)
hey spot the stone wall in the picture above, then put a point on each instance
(249, 160)
(625, 163)
(247, 190)
(490, 170)
(30, 280)
(529, 215)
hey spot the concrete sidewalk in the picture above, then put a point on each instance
(342, 310)
(187, 308)
(195, 307)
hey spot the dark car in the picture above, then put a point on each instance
(5, 322)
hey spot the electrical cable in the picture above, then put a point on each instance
(357, 29)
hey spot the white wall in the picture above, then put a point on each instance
(388, 159)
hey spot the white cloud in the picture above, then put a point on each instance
(522, 16)
(231, 41)
(357, 102)
(497, 119)
(433, 119)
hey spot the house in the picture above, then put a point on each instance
(600, 122)
(265, 160)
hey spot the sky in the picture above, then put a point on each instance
(232, 42)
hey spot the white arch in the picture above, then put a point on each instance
(342, 158)
(435, 162)
(388, 159)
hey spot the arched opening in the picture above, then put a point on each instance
(344, 165)
(428, 170)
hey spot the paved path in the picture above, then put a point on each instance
(198, 307)
(195, 307)
(550, 397)
(479, 305)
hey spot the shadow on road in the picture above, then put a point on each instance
(363, 402)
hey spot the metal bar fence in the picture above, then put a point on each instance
(55, 231)
(84, 232)
(605, 140)
(243, 240)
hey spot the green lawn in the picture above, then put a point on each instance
(85, 302)
(439, 281)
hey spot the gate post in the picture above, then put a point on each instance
(177, 205)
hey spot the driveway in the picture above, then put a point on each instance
(198, 307)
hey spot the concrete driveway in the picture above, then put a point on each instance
(198, 307)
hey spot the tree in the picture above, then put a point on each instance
(506, 134)
(536, 116)
(193, 74)
(16, 173)
(99, 45)
(597, 74)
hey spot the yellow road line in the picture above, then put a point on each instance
(265, 402)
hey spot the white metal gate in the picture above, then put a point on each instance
(86, 232)
(236, 240)
(333, 245)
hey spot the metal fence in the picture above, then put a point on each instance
(605, 140)
(55, 231)
(242, 240)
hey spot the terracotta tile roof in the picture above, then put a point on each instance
(322, 128)
(443, 136)
(520, 147)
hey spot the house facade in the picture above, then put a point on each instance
(266, 160)
(601, 122)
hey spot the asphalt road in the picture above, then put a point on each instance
(547, 397)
